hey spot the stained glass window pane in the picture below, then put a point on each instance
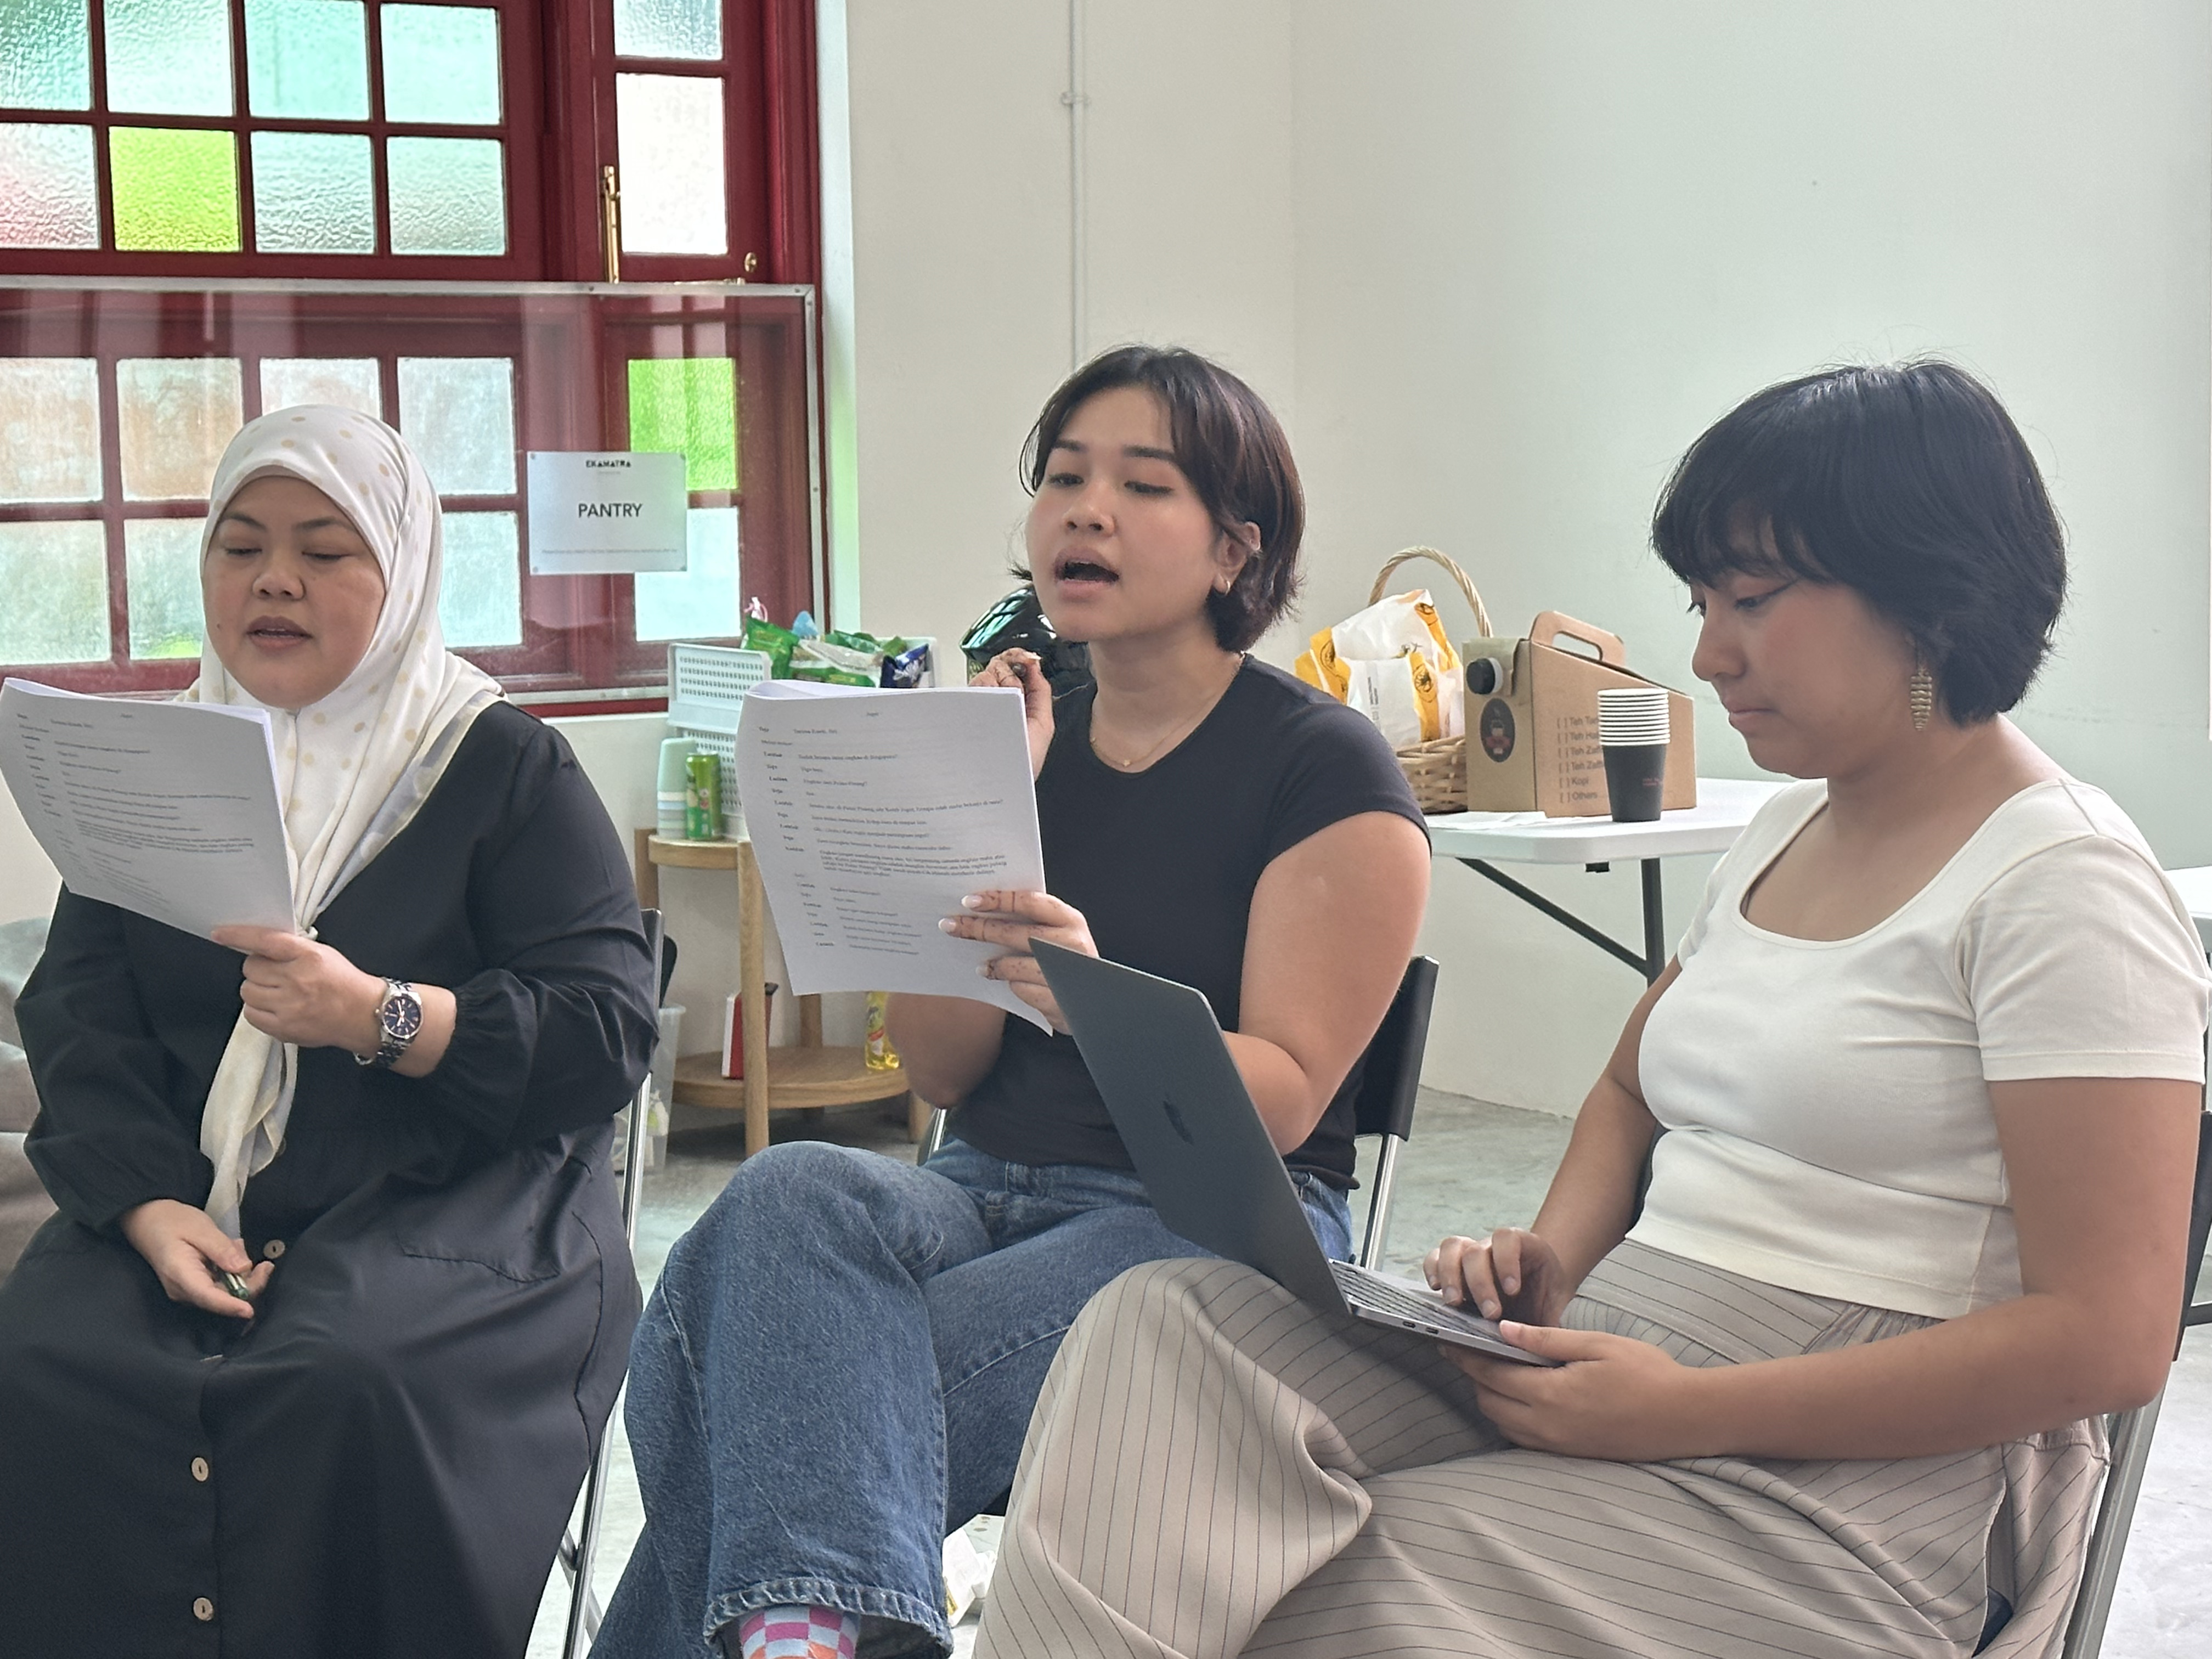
(161, 560)
(175, 416)
(348, 382)
(168, 57)
(699, 602)
(46, 54)
(55, 576)
(307, 59)
(668, 28)
(441, 65)
(313, 193)
(481, 600)
(50, 200)
(458, 414)
(50, 429)
(669, 131)
(175, 190)
(687, 406)
(448, 195)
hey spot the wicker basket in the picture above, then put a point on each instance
(1437, 771)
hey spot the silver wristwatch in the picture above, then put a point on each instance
(398, 1017)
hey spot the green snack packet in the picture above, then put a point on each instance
(855, 642)
(829, 674)
(777, 643)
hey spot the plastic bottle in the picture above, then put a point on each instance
(878, 1053)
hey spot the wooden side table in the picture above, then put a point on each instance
(790, 1078)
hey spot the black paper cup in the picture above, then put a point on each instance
(1635, 780)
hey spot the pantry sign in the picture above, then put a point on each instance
(595, 513)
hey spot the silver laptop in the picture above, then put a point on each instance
(1174, 1092)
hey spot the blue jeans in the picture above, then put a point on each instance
(837, 1368)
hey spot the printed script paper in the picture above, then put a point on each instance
(872, 814)
(168, 809)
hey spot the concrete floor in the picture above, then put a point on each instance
(1472, 1167)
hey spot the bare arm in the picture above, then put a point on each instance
(947, 1044)
(1333, 921)
(2100, 1172)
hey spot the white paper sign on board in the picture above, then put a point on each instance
(595, 513)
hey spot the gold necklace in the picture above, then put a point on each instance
(1175, 733)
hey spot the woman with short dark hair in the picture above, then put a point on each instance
(1929, 1063)
(837, 1363)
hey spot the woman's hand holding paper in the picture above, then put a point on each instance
(1012, 920)
(300, 991)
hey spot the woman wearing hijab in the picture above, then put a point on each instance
(313, 1357)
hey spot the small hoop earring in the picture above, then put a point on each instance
(1921, 695)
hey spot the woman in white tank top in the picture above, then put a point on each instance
(1928, 1066)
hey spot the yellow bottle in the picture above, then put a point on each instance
(878, 1052)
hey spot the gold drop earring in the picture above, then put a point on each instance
(1921, 695)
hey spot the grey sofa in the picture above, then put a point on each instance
(23, 1203)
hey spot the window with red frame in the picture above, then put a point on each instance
(354, 139)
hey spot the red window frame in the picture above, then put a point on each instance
(571, 349)
(558, 132)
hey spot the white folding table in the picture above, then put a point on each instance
(1724, 807)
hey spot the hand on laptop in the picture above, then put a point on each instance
(1512, 1274)
(1012, 920)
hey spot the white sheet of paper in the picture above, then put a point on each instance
(872, 814)
(168, 809)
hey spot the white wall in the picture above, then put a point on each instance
(1512, 258)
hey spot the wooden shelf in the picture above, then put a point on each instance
(797, 1078)
(785, 1080)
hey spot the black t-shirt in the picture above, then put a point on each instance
(1162, 863)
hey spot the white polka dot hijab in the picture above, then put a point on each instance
(353, 768)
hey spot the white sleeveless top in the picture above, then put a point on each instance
(1828, 1101)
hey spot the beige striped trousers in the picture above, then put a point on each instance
(1216, 1469)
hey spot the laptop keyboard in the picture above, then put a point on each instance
(1364, 1289)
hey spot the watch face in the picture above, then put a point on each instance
(401, 1016)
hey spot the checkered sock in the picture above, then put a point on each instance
(797, 1634)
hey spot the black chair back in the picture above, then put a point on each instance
(1390, 1078)
(2194, 1312)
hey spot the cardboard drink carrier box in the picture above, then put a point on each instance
(1531, 742)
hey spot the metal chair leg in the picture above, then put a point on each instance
(578, 1550)
(2108, 1538)
(1378, 1204)
(933, 1139)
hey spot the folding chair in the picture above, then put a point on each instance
(1389, 1081)
(2131, 1433)
(579, 1546)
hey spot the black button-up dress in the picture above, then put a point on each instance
(382, 1460)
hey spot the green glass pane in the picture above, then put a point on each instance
(480, 601)
(175, 190)
(668, 139)
(162, 564)
(46, 54)
(458, 414)
(49, 429)
(55, 576)
(687, 406)
(173, 418)
(307, 59)
(48, 197)
(313, 193)
(441, 65)
(168, 57)
(699, 602)
(669, 29)
(448, 195)
(348, 382)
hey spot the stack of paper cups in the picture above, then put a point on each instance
(1632, 726)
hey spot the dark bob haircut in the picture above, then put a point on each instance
(1906, 482)
(1230, 447)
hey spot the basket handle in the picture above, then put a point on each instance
(1552, 624)
(1466, 582)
